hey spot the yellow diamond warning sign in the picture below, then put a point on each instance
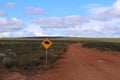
(46, 43)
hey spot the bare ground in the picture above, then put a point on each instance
(79, 64)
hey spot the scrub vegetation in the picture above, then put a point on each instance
(30, 54)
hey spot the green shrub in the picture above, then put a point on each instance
(30, 53)
(8, 65)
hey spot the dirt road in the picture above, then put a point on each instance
(84, 64)
(79, 64)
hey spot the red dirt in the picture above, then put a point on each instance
(83, 64)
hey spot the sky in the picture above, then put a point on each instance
(68, 18)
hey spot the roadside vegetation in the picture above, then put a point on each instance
(103, 46)
(30, 54)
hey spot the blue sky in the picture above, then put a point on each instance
(86, 18)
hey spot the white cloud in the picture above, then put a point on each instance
(112, 28)
(97, 11)
(10, 24)
(5, 34)
(33, 30)
(109, 14)
(3, 13)
(11, 4)
(95, 8)
(28, 31)
(95, 29)
(60, 22)
(90, 29)
(34, 11)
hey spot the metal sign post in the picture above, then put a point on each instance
(46, 56)
(46, 43)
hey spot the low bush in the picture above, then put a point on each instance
(103, 45)
(31, 54)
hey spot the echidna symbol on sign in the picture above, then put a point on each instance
(46, 42)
